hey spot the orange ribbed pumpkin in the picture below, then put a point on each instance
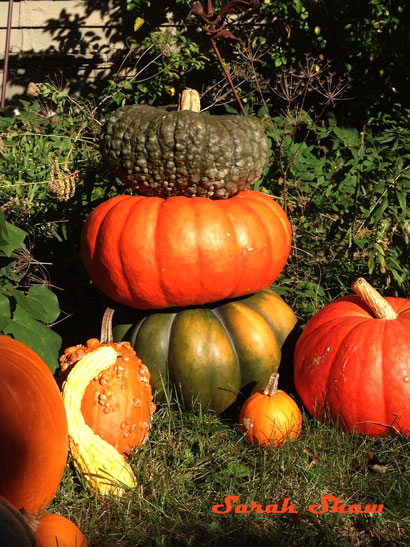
(117, 405)
(33, 428)
(271, 416)
(352, 363)
(148, 252)
(57, 531)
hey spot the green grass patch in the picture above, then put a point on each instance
(192, 461)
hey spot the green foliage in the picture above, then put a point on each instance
(344, 189)
(346, 196)
(25, 315)
(50, 180)
(49, 168)
(367, 41)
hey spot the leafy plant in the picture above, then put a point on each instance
(25, 314)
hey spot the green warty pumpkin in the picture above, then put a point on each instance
(183, 153)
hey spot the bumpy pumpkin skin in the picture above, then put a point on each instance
(211, 353)
(356, 368)
(57, 531)
(167, 153)
(33, 428)
(152, 253)
(14, 530)
(117, 405)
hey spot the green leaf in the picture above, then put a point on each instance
(4, 311)
(40, 303)
(230, 109)
(402, 199)
(262, 112)
(380, 210)
(3, 227)
(40, 338)
(5, 263)
(348, 135)
(10, 238)
(238, 470)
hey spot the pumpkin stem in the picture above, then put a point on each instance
(106, 327)
(272, 387)
(379, 306)
(189, 100)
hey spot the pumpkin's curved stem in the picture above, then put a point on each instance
(379, 306)
(106, 327)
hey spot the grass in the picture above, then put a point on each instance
(192, 460)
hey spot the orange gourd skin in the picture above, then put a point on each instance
(148, 252)
(14, 530)
(117, 405)
(270, 420)
(57, 531)
(33, 428)
(355, 368)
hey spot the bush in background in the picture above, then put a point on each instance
(340, 141)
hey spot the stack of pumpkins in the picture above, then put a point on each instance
(193, 257)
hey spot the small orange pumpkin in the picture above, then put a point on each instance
(33, 428)
(270, 417)
(57, 531)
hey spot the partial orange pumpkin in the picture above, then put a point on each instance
(352, 363)
(57, 531)
(33, 428)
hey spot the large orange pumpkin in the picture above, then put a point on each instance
(149, 252)
(33, 428)
(352, 363)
